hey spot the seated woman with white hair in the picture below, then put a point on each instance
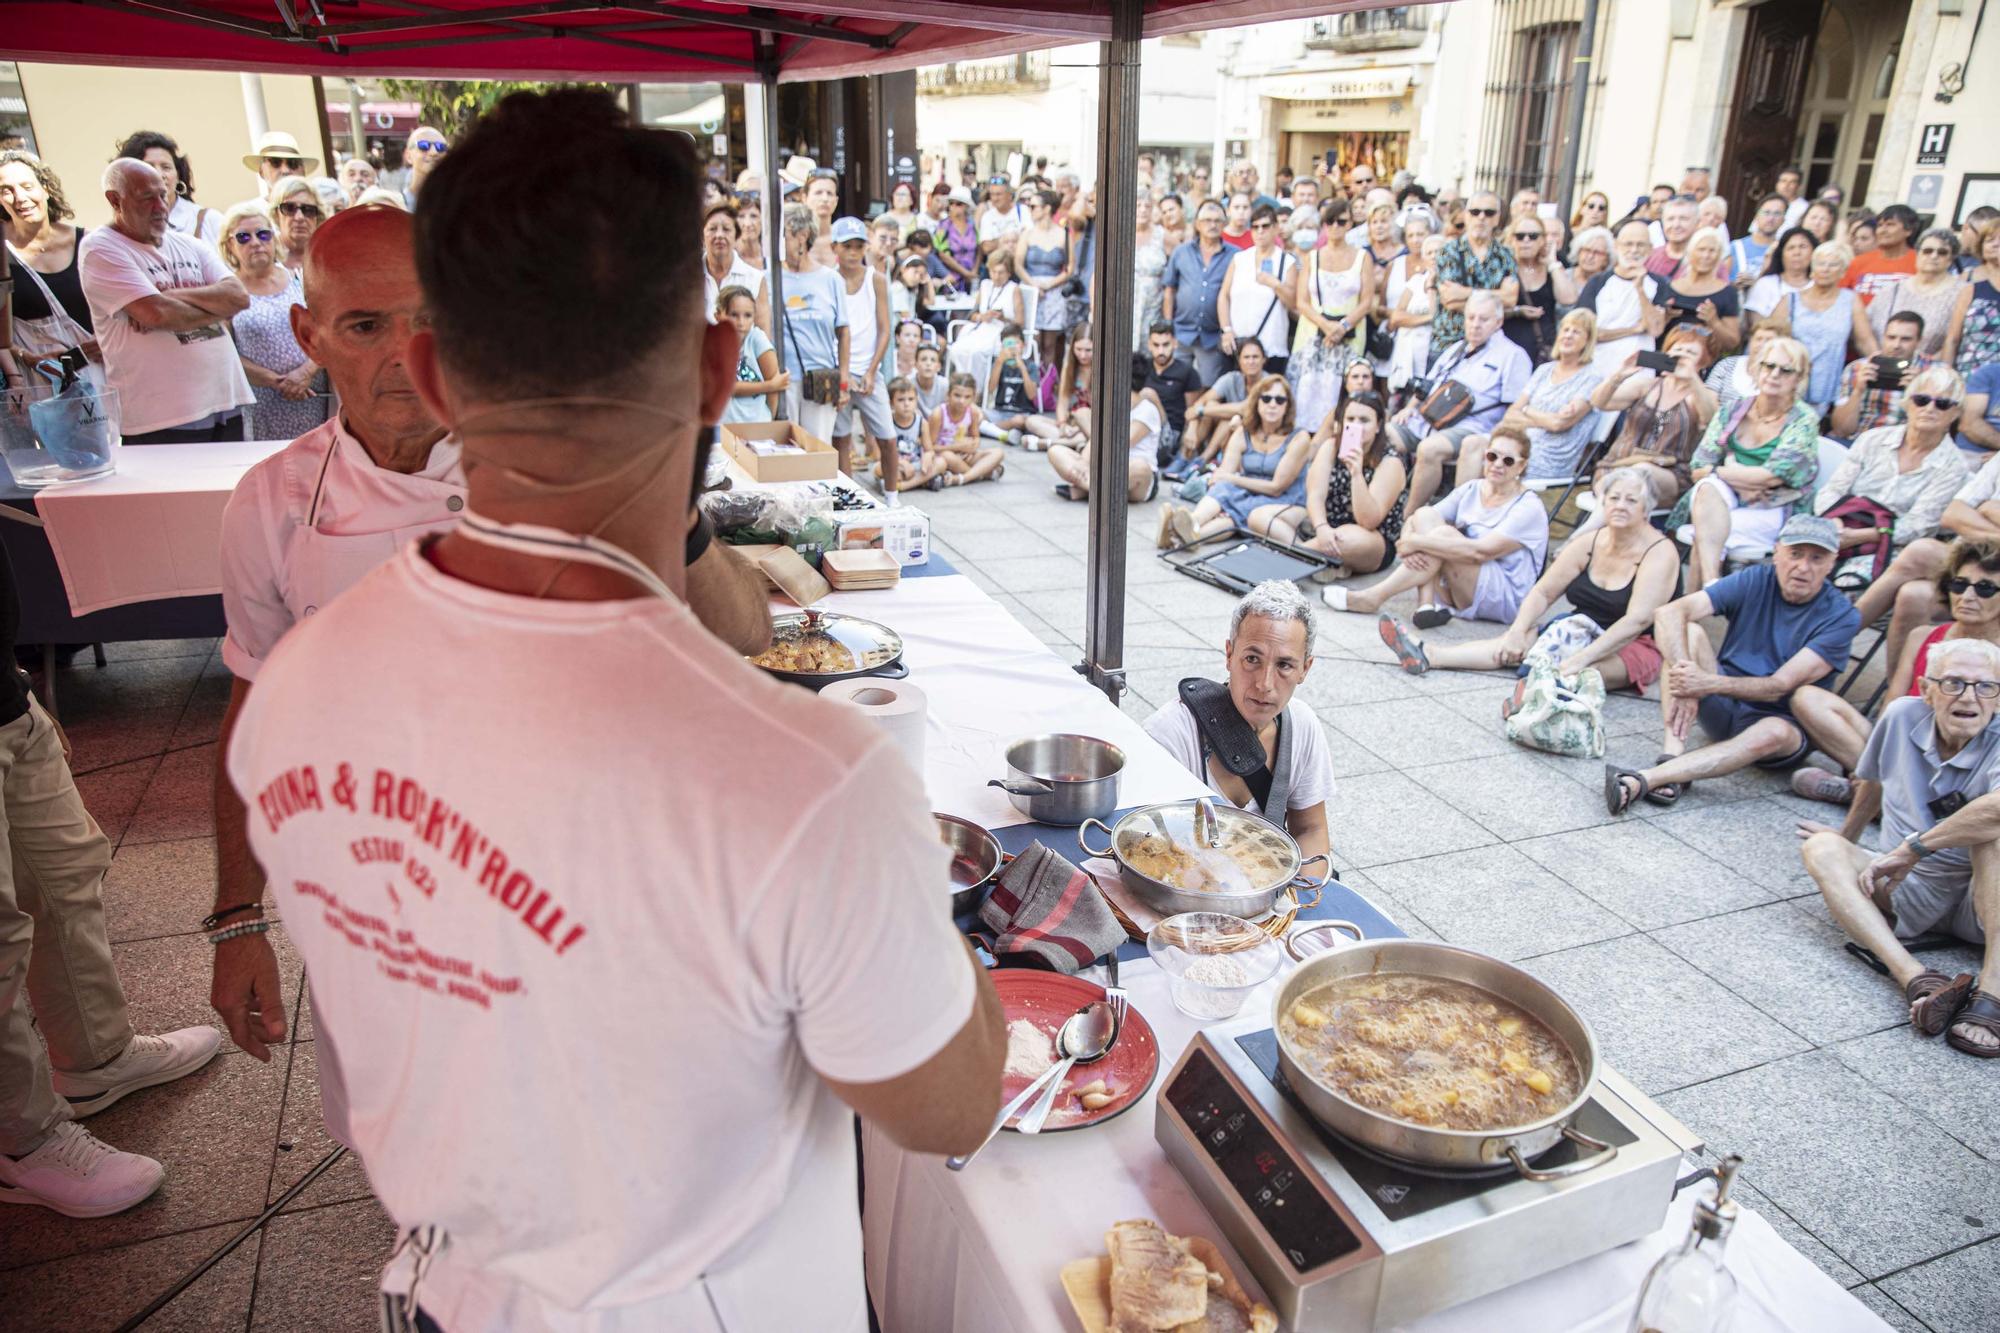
(1752, 468)
(1247, 738)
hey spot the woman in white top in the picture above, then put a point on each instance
(1912, 469)
(1414, 310)
(1336, 290)
(997, 304)
(1931, 292)
(1149, 260)
(1258, 291)
(722, 267)
(1416, 230)
(1787, 269)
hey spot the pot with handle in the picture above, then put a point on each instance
(1062, 779)
(1468, 1151)
(975, 860)
(1225, 859)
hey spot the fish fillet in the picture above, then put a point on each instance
(1156, 1282)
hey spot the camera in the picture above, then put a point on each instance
(1660, 363)
(1889, 371)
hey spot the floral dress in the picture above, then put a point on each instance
(1792, 455)
(1979, 345)
(264, 337)
(1149, 261)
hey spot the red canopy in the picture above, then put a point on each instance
(639, 40)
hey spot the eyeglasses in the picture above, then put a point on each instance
(1260, 226)
(1277, 398)
(428, 145)
(1504, 460)
(1953, 686)
(1776, 368)
(1935, 252)
(1985, 587)
(1483, 212)
(288, 163)
(1527, 236)
(245, 237)
(1931, 400)
(292, 210)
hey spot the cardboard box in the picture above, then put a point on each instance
(817, 463)
(903, 532)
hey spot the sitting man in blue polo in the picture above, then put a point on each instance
(1493, 369)
(1788, 628)
(1931, 769)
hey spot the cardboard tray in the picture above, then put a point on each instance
(818, 463)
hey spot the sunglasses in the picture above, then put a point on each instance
(1261, 226)
(1953, 686)
(1278, 398)
(245, 237)
(1931, 400)
(288, 163)
(428, 145)
(1527, 236)
(1935, 252)
(1504, 460)
(1776, 368)
(1985, 587)
(292, 210)
(1483, 212)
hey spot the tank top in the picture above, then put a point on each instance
(1535, 336)
(1044, 261)
(910, 439)
(948, 429)
(1340, 501)
(861, 322)
(1606, 606)
(1923, 662)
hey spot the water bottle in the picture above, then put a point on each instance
(1690, 1291)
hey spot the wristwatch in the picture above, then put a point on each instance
(1916, 844)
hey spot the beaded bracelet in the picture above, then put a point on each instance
(244, 928)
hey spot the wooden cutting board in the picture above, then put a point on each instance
(1087, 1282)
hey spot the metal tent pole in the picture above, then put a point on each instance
(774, 202)
(1579, 93)
(1111, 315)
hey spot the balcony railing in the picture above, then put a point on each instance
(1024, 73)
(1370, 29)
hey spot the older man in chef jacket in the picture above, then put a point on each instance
(1245, 737)
(311, 520)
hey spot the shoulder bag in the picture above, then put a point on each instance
(56, 334)
(1448, 402)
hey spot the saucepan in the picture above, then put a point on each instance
(1062, 779)
(1169, 856)
(975, 860)
(1456, 1150)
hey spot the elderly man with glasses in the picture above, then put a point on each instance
(1477, 261)
(277, 154)
(1931, 770)
(1190, 290)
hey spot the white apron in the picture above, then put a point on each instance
(332, 552)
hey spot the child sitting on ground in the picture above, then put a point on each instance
(917, 460)
(1010, 390)
(929, 380)
(760, 380)
(955, 427)
(1210, 416)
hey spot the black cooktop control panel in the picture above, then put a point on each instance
(1262, 1172)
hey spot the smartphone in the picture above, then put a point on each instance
(1658, 362)
(1350, 441)
(1889, 371)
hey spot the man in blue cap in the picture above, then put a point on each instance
(1788, 628)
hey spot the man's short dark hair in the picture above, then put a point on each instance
(1142, 370)
(1902, 213)
(1263, 213)
(1906, 317)
(1160, 326)
(601, 258)
(1791, 169)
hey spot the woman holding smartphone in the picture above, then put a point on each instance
(1263, 463)
(1666, 407)
(1356, 490)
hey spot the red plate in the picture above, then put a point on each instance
(1047, 999)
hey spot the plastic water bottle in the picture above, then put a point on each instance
(1690, 1291)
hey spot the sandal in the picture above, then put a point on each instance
(1432, 616)
(1615, 799)
(1981, 1011)
(1409, 653)
(1934, 999)
(1668, 792)
(1510, 705)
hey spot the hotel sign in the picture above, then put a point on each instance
(1341, 85)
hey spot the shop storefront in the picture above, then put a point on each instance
(1359, 116)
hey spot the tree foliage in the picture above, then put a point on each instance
(452, 104)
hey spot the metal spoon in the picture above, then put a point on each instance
(1025, 1096)
(1083, 1040)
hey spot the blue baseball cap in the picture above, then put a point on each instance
(848, 229)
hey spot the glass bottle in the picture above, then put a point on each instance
(1690, 1291)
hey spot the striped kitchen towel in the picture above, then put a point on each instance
(1045, 906)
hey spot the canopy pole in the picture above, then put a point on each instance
(765, 119)
(254, 113)
(1111, 370)
(1579, 92)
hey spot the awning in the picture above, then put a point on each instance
(1338, 85)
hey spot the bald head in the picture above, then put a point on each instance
(363, 303)
(424, 150)
(139, 199)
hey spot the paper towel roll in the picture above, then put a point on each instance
(896, 706)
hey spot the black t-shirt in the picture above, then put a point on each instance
(67, 286)
(1175, 385)
(13, 695)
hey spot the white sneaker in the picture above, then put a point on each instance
(79, 1175)
(1334, 596)
(146, 1062)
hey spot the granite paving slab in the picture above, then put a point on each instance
(303, 1142)
(1958, 1093)
(1497, 901)
(97, 1291)
(1960, 1291)
(1516, 795)
(180, 800)
(159, 888)
(320, 1269)
(1412, 733)
(1755, 838)
(1388, 817)
(1645, 875)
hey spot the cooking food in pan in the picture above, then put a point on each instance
(812, 651)
(1249, 858)
(1432, 1051)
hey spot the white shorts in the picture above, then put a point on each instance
(873, 409)
(815, 419)
(1753, 529)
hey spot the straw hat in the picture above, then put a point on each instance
(277, 143)
(798, 170)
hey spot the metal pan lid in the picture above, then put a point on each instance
(1249, 840)
(825, 643)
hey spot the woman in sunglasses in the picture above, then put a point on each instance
(1931, 291)
(1968, 588)
(1263, 463)
(1357, 490)
(283, 378)
(1545, 284)
(296, 208)
(1911, 469)
(1974, 340)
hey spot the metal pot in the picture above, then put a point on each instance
(1177, 821)
(1062, 779)
(1460, 1150)
(975, 860)
(877, 649)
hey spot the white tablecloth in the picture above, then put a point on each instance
(152, 529)
(979, 1251)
